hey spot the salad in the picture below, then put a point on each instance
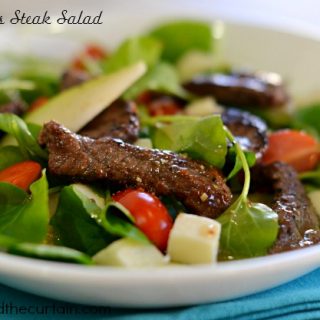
(153, 154)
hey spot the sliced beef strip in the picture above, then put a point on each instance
(73, 77)
(241, 90)
(299, 224)
(119, 121)
(200, 188)
(250, 131)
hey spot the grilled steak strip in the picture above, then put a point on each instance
(119, 121)
(240, 89)
(250, 131)
(299, 224)
(199, 187)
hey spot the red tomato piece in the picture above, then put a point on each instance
(96, 52)
(92, 51)
(159, 104)
(163, 107)
(22, 174)
(151, 216)
(296, 148)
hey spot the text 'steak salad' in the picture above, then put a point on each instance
(154, 154)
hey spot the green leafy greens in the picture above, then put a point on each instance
(308, 118)
(49, 252)
(41, 251)
(250, 158)
(248, 229)
(28, 144)
(133, 50)
(10, 155)
(111, 218)
(29, 77)
(180, 37)
(201, 138)
(24, 217)
(161, 78)
(84, 225)
(75, 227)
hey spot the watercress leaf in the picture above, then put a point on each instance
(10, 155)
(6, 242)
(117, 220)
(40, 251)
(143, 48)
(161, 78)
(248, 230)
(309, 117)
(74, 224)
(16, 127)
(12, 200)
(48, 252)
(180, 37)
(201, 138)
(25, 217)
(112, 217)
(29, 220)
(40, 76)
(34, 129)
(251, 159)
(22, 66)
(45, 86)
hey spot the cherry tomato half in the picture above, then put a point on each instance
(159, 104)
(21, 174)
(296, 148)
(151, 216)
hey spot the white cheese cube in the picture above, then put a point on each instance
(194, 240)
(130, 253)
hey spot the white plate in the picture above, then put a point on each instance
(293, 56)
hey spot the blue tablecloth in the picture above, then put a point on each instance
(299, 299)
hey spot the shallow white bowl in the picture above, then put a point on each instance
(157, 287)
(292, 55)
